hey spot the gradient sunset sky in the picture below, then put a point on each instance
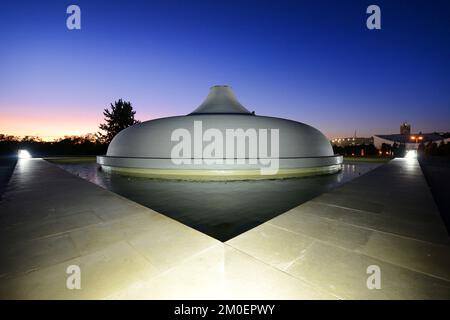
(310, 61)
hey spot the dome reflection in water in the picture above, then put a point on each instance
(222, 210)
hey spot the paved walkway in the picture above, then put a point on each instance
(50, 219)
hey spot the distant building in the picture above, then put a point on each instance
(406, 138)
(405, 128)
(410, 141)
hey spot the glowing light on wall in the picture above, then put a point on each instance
(23, 154)
(411, 154)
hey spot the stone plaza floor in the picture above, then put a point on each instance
(50, 219)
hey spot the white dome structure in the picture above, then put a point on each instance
(220, 140)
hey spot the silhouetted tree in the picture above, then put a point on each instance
(120, 116)
(431, 149)
(443, 148)
(358, 150)
(385, 148)
(370, 150)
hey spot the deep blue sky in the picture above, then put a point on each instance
(311, 61)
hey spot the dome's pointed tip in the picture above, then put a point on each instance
(221, 99)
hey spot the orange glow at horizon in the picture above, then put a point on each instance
(54, 126)
(48, 128)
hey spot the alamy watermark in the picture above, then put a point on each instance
(374, 280)
(73, 281)
(235, 147)
(373, 22)
(73, 21)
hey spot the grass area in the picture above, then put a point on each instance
(367, 159)
(69, 160)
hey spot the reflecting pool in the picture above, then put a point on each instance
(222, 210)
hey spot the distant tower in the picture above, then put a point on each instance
(405, 128)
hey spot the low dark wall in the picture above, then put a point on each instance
(7, 165)
(437, 173)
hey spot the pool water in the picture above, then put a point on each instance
(222, 209)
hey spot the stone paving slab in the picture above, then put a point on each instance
(50, 219)
(431, 232)
(222, 272)
(386, 218)
(344, 273)
(110, 269)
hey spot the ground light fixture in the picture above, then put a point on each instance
(23, 154)
(411, 154)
